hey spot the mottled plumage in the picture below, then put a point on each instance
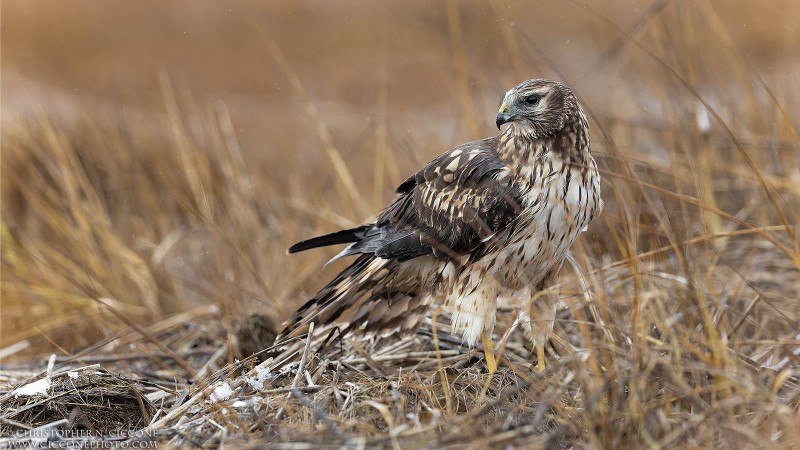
(491, 219)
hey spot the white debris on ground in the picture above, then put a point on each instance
(39, 387)
(252, 402)
(222, 392)
(257, 383)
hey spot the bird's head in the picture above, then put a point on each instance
(540, 108)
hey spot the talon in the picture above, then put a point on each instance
(488, 352)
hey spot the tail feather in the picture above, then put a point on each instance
(339, 237)
(371, 297)
(337, 297)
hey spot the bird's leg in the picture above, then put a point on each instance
(542, 314)
(488, 352)
(540, 358)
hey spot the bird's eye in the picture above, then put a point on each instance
(533, 99)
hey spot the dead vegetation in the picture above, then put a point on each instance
(87, 398)
(148, 255)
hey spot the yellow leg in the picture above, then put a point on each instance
(540, 358)
(488, 352)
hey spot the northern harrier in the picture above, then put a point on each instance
(491, 219)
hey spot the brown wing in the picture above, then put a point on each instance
(447, 209)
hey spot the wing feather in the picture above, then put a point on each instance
(451, 207)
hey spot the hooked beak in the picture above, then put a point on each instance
(501, 119)
(502, 116)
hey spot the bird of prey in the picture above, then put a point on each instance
(485, 221)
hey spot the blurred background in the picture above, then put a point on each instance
(82, 57)
(362, 63)
(158, 157)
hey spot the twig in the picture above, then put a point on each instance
(300, 368)
(320, 414)
(445, 384)
(404, 356)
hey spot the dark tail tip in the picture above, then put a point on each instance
(339, 237)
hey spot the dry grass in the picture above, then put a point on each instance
(147, 252)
